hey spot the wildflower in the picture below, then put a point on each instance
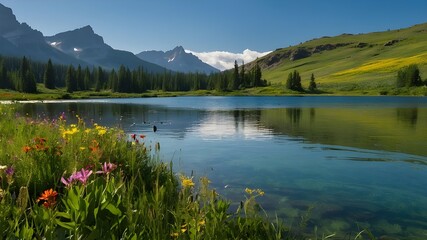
(202, 222)
(184, 228)
(133, 136)
(48, 198)
(252, 191)
(186, 181)
(3, 167)
(82, 148)
(94, 146)
(9, 171)
(107, 168)
(102, 132)
(62, 116)
(9, 174)
(249, 191)
(174, 235)
(87, 130)
(67, 182)
(142, 136)
(82, 175)
(26, 149)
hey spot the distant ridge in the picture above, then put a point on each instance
(84, 44)
(177, 60)
(19, 39)
(80, 46)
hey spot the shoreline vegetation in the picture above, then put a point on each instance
(61, 94)
(86, 181)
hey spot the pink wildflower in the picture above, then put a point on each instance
(107, 168)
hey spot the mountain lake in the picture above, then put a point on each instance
(346, 163)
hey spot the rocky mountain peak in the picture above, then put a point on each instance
(8, 20)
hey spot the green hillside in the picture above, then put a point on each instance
(351, 62)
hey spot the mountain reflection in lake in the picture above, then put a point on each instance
(355, 160)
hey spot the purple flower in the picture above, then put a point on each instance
(81, 176)
(67, 182)
(10, 171)
(107, 168)
(62, 116)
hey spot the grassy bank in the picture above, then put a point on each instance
(61, 181)
(342, 89)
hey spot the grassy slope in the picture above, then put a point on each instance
(352, 68)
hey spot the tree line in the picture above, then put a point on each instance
(294, 82)
(21, 74)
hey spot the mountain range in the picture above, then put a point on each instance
(83, 46)
(177, 60)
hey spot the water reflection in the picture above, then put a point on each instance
(408, 115)
(375, 128)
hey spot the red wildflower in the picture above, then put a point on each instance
(26, 149)
(142, 136)
(48, 198)
(133, 136)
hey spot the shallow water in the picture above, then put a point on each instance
(358, 161)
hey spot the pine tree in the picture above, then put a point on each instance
(49, 76)
(99, 79)
(86, 79)
(27, 81)
(294, 81)
(3, 75)
(113, 81)
(313, 86)
(70, 81)
(79, 79)
(257, 75)
(242, 80)
(235, 82)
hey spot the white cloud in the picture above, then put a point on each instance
(225, 60)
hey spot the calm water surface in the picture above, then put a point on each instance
(358, 161)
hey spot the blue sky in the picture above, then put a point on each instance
(217, 25)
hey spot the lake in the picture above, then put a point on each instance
(355, 162)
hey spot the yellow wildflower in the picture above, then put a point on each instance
(184, 228)
(202, 222)
(249, 191)
(87, 130)
(186, 181)
(82, 148)
(102, 132)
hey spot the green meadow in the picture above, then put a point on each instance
(354, 64)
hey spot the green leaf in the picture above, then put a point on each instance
(113, 209)
(67, 225)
